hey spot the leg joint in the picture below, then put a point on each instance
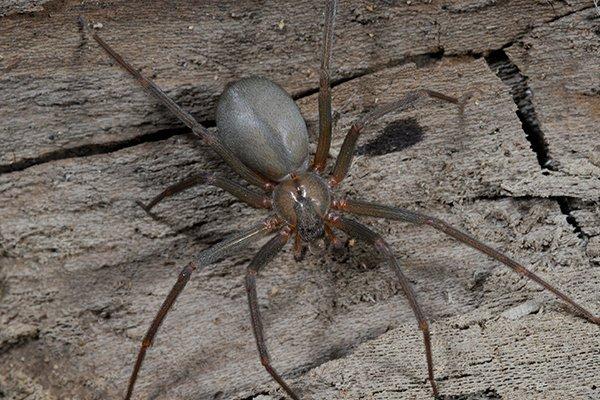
(264, 360)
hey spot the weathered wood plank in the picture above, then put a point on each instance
(475, 361)
(9, 7)
(62, 96)
(561, 61)
(84, 269)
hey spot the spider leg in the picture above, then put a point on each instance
(333, 240)
(265, 254)
(344, 160)
(381, 211)
(361, 232)
(227, 246)
(256, 200)
(324, 142)
(197, 129)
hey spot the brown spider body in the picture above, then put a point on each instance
(303, 202)
(262, 125)
(263, 137)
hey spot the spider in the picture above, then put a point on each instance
(263, 137)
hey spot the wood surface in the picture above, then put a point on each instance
(83, 269)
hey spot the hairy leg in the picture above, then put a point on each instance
(227, 246)
(382, 211)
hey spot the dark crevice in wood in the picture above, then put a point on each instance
(395, 391)
(487, 394)
(500, 197)
(510, 74)
(522, 94)
(567, 209)
(92, 149)
(251, 397)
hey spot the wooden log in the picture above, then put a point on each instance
(83, 269)
(561, 61)
(63, 96)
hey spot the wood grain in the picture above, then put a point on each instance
(64, 97)
(83, 269)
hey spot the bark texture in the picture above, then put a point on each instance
(83, 269)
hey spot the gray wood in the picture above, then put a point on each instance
(63, 96)
(9, 7)
(83, 269)
(562, 62)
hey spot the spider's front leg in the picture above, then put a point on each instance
(361, 232)
(227, 246)
(325, 124)
(266, 254)
(395, 213)
(197, 128)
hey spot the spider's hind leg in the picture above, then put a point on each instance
(361, 232)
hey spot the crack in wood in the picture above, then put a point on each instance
(420, 60)
(486, 394)
(511, 75)
(91, 149)
(522, 94)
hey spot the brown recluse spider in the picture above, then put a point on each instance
(263, 137)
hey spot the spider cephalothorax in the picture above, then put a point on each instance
(303, 201)
(263, 137)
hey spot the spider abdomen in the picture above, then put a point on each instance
(262, 125)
